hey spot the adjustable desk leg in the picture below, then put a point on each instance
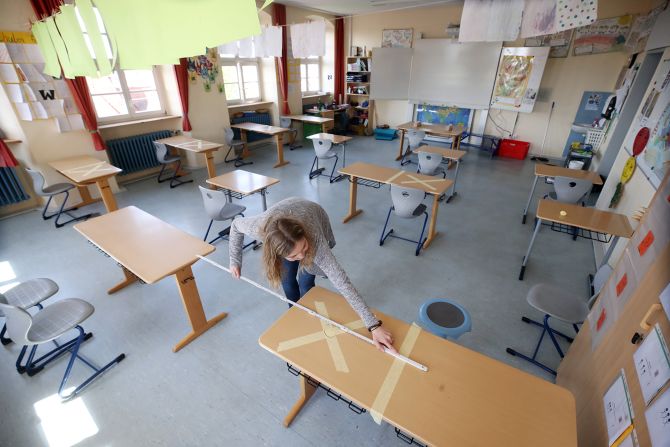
(433, 220)
(353, 212)
(306, 391)
(530, 247)
(402, 140)
(530, 197)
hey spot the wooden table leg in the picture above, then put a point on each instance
(306, 391)
(243, 137)
(280, 151)
(193, 307)
(130, 278)
(402, 140)
(107, 195)
(86, 198)
(353, 190)
(458, 142)
(433, 220)
(211, 170)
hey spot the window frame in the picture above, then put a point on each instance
(306, 62)
(239, 62)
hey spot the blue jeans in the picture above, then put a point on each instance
(294, 283)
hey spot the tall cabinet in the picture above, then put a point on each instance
(359, 73)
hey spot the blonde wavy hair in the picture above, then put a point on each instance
(279, 238)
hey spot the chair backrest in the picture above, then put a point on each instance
(321, 147)
(18, 322)
(428, 163)
(570, 190)
(161, 151)
(285, 122)
(415, 137)
(38, 181)
(406, 200)
(214, 201)
(229, 135)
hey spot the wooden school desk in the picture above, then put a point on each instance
(464, 399)
(542, 170)
(85, 170)
(149, 249)
(197, 146)
(324, 122)
(372, 175)
(588, 223)
(438, 130)
(449, 154)
(340, 140)
(276, 132)
(240, 183)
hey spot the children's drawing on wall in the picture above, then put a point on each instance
(518, 80)
(603, 36)
(513, 77)
(205, 67)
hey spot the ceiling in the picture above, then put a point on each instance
(349, 7)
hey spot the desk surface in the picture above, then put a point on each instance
(260, 128)
(336, 139)
(465, 398)
(543, 170)
(148, 247)
(242, 181)
(382, 174)
(311, 119)
(434, 129)
(451, 154)
(84, 168)
(190, 144)
(584, 217)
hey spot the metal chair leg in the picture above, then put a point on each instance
(160, 174)
(332, 179)
(174, 181)
(208, 228)
(419, 245)
(383, 237)
(73, 219)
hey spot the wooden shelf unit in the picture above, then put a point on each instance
(357, 110)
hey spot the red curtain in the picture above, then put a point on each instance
(77, 86)
(279, 19)
(182, 83)
(7, 159)
(339, 58)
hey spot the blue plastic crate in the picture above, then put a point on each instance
(385, 134)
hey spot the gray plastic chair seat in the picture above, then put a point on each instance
(328, 155)
(558, 303)
(30, 293)
(57, 188)
(230, 210)
(170, 159)
(60, 317)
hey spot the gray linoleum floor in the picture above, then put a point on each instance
(224, 389)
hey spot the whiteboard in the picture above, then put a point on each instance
(518, 80)
(452, 73)
(391, 70)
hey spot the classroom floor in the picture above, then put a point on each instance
(224, 389)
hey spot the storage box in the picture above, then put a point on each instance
(385, 134)
(514, 149)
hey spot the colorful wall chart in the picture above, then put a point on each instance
(518, 79)
(443, 115)
(558, 42)
(206, 68)
(602, 36)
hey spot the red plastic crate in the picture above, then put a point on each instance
(514, 149)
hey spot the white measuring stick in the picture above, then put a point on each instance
(318, 315)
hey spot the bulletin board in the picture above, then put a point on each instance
(34, 95)
(518, 79)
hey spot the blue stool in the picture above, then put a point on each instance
(444, 318)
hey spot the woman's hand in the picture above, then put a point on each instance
(383, 338)
(235, 271)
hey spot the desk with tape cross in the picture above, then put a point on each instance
(438, 130)
(276, 132)
(368, 174)
(584, 222)
(196, 146)
(448, 154)
(148, 249)
(464, 399)
(85, 170)
(545, 171)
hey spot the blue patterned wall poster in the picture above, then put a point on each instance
(443, 115)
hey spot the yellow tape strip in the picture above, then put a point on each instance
(394, 176)
(389, 384)
(300, 341)
(333, 344)
(423, 182)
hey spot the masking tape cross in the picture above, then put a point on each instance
(423, 182)
(394, 176)
(90, 168)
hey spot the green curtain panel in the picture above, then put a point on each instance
(43, 38)
(61, 50)
(94, 32)
(153, 32)
(81, 61)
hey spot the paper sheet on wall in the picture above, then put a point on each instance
(575, 13)
(618, 409)
(602, 316)
(32, 73)
(76, 122)
(62, 90)
(658, 420)
(24, 112)
(62, 124)
(490, 20)
(55, 107)
(539, 18)
(8, 73)
(33, 54)
(28, 92)
(4, 54)
(246, 47)
(652, 363)
(16, 53)
(39, 111)
(630, 440)
(14, 92)
(623, 282)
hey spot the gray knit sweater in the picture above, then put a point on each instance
(317, 224)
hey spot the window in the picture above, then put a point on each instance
(124, 94)
(310, 75)
(241, 79)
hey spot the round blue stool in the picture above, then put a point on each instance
(444, 318)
